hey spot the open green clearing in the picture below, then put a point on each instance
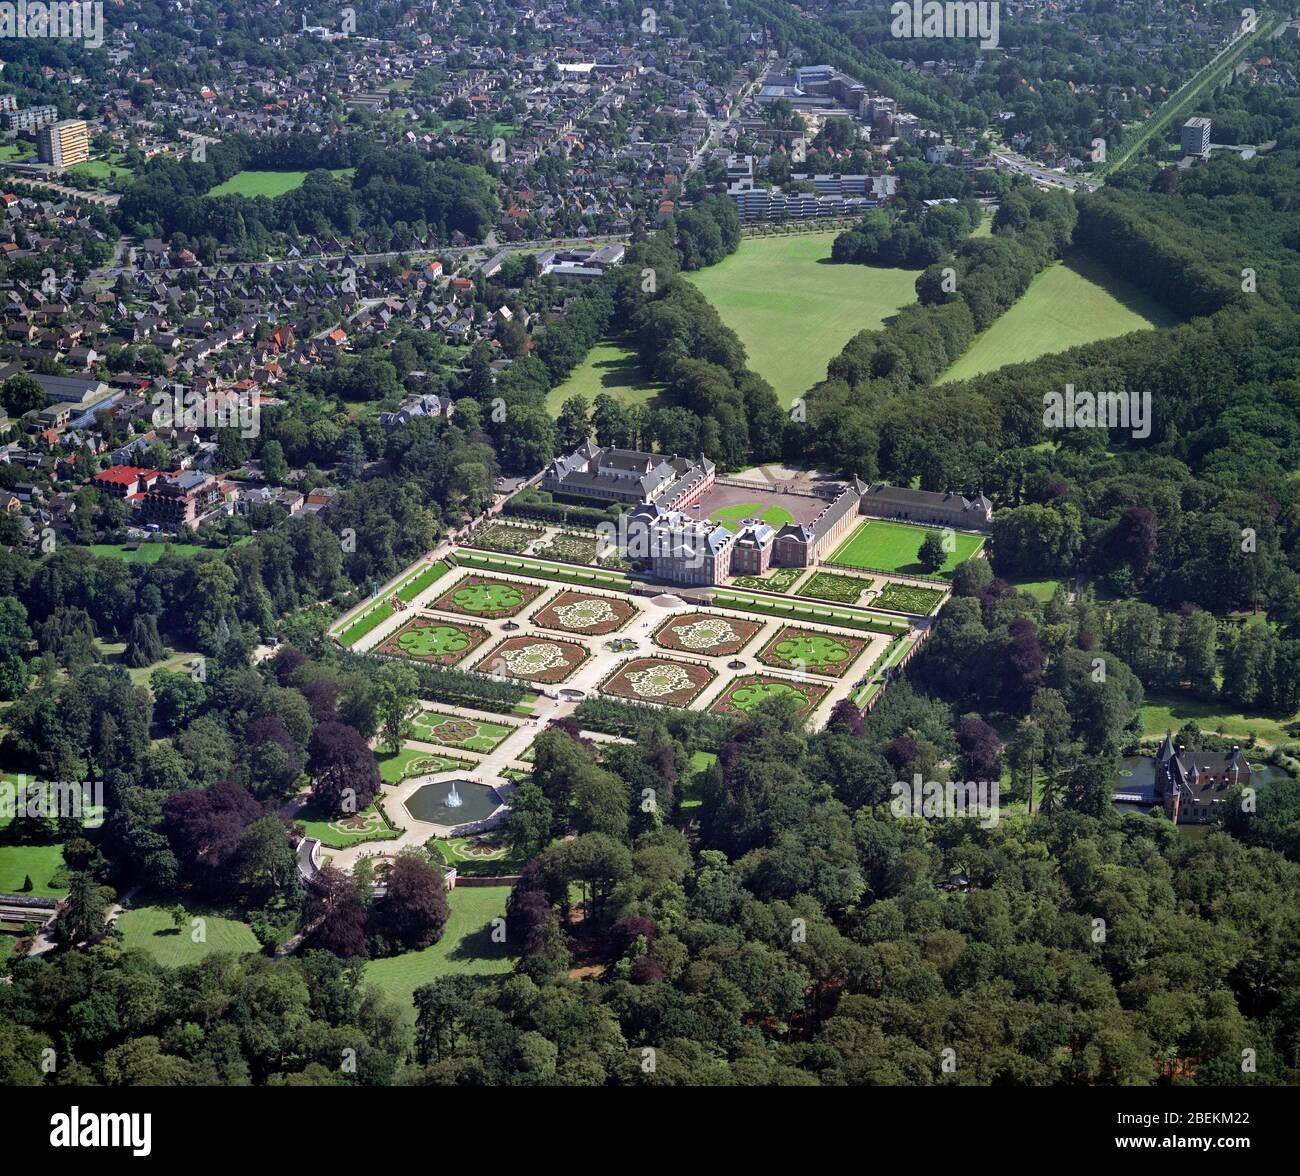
(1041, 590)
(39, 861)
(794, 309)
(732, 516)
(893, 547)
(269, 183)
(1168, 712)
(143, 552)
(1070, 303)
(457, 731)
(610, 368)
(150, 929)
(465, 949)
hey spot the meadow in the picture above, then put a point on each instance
(268, 183)
(1070, 303)
(794, 309)
(465, 949)
(611, 368)
(150, 929)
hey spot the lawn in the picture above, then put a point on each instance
(456, 731)
(794, 309)
(732, 516)
(150, 929)
(38, 861)
(143, 552)
(1040, 590)
(268, 183)
(410, 761)
(1168, 712)
(340, 832)
(465, 949)
(893, 547)
(611, 368)
(1068, 304)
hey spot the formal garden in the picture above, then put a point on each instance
(658, 679)
(582, 612)
(534, 659)
(483, 596)
(457, 731)
(427, 639)
(776, 580)
(508, 537)
(807, 650)
(836, 587)
(706, 633)
(751, 690)
(908, 598)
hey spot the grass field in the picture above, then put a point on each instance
(150, 929)
(794, 310)
(1068, 304)
(732, 516)
(465, 949)
(267, 183)
(1168, 712)
(1042, 590)
(144, 552)
(39, 862)
(611, 368)
(893, 547)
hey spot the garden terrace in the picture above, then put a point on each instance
(824, 614)
(565, 574)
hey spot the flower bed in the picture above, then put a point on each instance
(707, 634)
(751, 690)
(657, 679)
(836, 587)
(483, 596)
(534, 659)
(812, 652)
(581, 612)
(427, 639)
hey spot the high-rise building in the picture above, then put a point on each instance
(1196, 136)
(64, 144)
